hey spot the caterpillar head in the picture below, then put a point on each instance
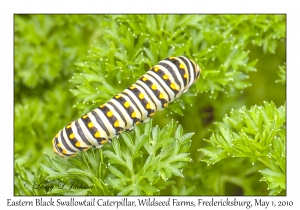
(59, 148)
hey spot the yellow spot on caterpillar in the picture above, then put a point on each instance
(85, 149)
(53, 141)
(171, 58)
(56, 136)
(161, 96)
(156, 69)
(148, 106)
(141, 96)
(72, 136)
(90, 125)
(116, 124)
(165, 104)
(185, 76)
(109, 114)
(64, 151)
(59, 145)
(102, 106)
(97, 134)
(84, 116)
(77, 144)
(144, 79)
(152, 114)
(103, 142)
(181, 66)
(153, 87)
(131, 87)
(126, 104)
(68, 126)
(166, 77)
(117, 96)
(133, 115)
(137, 122)
(173, 86)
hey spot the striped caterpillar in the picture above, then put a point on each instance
(152, 92)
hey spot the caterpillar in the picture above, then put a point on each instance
(152, 92)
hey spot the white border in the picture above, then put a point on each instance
(8, 8)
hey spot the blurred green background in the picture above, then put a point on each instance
(65, 65)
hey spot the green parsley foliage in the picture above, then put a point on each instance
(282, 74)
(258, 134)
(131, 43)
(139, 162)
